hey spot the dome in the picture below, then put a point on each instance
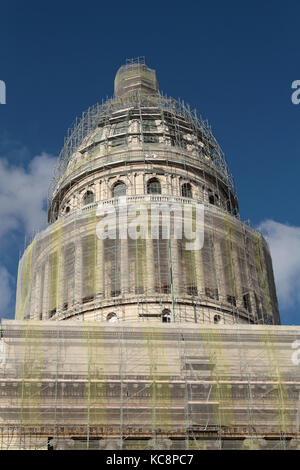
(138, 124)
(141, 149)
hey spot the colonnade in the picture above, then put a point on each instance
(73, 292)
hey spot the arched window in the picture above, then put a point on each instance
(111, 317)
(166, 316)
(67, 210)
(153, 186)
(228, 205)
(88, 198)
(186, 190)
(211, 199)
(119, 189)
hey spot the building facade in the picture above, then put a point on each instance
(129, 334)
(138, 385)
(153, 156)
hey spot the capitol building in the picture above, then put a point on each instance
(129, 333)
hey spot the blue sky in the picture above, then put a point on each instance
(233, 61)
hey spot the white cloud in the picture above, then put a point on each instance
(23, 193)
(284, 242)
(5, 290)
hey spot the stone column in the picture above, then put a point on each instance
(254, 312)
(37, 296)
(97, 191)
(172, 185)
(237, 277)
(139, 183)
(99, 268)
(175, 265)
(59, 280)
(78, 273)
(69, 279)
(199, 272)
(164, 184)
(149, 275)
(168, 185)
(105, 189)
(124, 267)
(69, 299)
(107, 278)
(45, 305)
(220, 270)
(101, 195)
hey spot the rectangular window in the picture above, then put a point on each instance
(247, 302)
(87, 299)
(212, 293)
(115, 293)
(178, 140)
(192, 290)
(151, 139)
(232, 300)
(149, 125)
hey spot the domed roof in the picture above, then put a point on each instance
(135, 75)
(137, 119)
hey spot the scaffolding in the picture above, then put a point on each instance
(164, 347)
(144, 129)
(132, 386)
(68, 272)
(142, 150)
